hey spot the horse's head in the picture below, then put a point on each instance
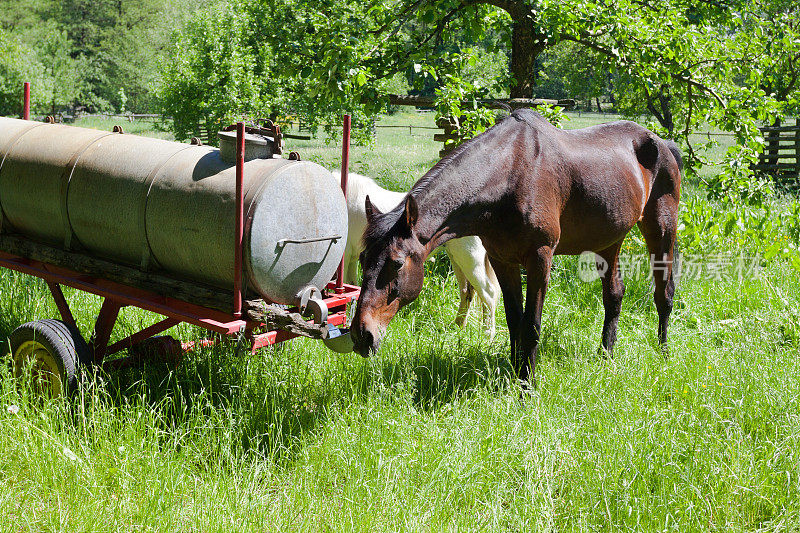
(392, 264)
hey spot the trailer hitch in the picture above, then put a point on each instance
(309, 301)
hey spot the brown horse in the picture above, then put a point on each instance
(529, 191)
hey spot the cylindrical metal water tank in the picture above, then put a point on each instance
(169, 206)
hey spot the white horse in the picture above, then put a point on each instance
(467, 254)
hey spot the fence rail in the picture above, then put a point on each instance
(781, 156)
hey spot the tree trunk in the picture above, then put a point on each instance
(526, 44)
(525, 48)
(662, 112)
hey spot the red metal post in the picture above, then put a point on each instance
(239, 237)
(26, 101)
(345, 172)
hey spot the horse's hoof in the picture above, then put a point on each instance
(665, 351)
(604, 354)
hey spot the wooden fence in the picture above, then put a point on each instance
(781, 156)
(450, 124)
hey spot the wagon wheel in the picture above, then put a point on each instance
(51, 351)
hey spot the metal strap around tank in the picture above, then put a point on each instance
(147, 260)
(66, 178)
(14, 141)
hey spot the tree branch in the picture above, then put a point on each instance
(607, 52)
(439, 29)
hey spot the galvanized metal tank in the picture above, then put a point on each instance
(169, 206)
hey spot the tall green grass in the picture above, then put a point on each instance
(431, 434)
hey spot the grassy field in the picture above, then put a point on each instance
(431, 435)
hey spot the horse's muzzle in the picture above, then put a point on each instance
(364, 342)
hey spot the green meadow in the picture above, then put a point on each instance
(434, 433)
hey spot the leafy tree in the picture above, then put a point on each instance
(569, 70)
(210, 78)
(60, 82)
(90, 50)
(683, 62)
(12, 76)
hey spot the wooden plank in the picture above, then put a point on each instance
(784, 141)
(797, 143)
(514, 103)
(187, 291)
(774, 155)
(780, 128)
(775, 166)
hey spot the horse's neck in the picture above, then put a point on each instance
(449, 205)
(359, 187)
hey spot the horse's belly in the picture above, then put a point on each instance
(593, 222)
(577, 246)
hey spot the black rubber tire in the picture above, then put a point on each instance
(62, 342)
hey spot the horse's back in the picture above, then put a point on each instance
(605, 175)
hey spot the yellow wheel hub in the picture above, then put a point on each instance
(41, 365)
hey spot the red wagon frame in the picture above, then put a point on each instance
(337, 295)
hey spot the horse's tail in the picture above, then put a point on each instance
(676, 152)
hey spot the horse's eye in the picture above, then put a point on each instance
(397, 262)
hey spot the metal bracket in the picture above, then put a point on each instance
(309, 300)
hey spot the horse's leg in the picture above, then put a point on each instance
(465, 294)
(613, 291)
(483, 279)
(508, 276)
(469, 259)
(659, 226)
(351, 267)
(538, 269)
(489, 294)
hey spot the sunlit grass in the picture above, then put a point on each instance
(431, 434)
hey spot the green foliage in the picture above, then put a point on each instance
(735, 183)
(688, 66)
(771, 231)
(54, 75)
(61, 82)
(79, 53)
(459, 83)
(470, 119)
(554, 113)
(12, 75)
(569, 70)
(210, 78)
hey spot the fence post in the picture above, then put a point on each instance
(797, 147)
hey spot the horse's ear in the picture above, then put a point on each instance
(370, 209)
(411, 211)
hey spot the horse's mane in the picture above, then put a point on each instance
(382, 224)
